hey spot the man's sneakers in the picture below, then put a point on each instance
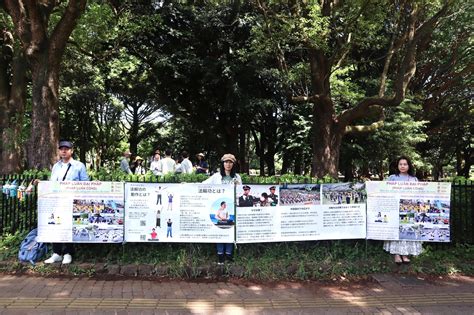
(53, 259)
(67, 259)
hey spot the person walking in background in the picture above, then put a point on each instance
(139, 167)
(402, 249)
(227, 175)
(178, 168)
(201, 165)
(168, 165)
(154, 156)
(186, 164)
(66, 169)
(125, 163)
(155, 165)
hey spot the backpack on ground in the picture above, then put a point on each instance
(30, 250)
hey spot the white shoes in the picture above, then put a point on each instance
(53, 259)
(67, 259)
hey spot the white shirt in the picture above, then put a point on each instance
(167, 165)
(155, 167)
(187, 166)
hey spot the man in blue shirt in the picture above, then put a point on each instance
(66, 169)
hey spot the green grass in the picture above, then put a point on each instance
(321, 260)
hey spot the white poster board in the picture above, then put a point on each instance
(84, 212)
(405, 210)
(302, 212)
(164, 212)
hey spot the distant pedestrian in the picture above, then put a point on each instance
(201, 165)
(168, 165)
(186, 164)
(155, 165)
(125, 163)
(139, 167)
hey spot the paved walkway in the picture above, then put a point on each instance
(387, 294)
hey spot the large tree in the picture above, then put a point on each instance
(43, 40)
(333, 34)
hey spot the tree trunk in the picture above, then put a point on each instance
(270, 161)
(298, 168)
(286, 164)
(12, 105)
(45, 114)
(43, 46)
(468, 161)
(326, 141)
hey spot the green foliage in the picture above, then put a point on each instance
(10, 244)
(321, 260)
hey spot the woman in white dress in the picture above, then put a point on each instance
(402, 249)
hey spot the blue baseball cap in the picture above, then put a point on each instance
(65, 143)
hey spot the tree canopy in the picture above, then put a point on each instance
(305, 87)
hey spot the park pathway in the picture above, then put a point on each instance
(384, 294)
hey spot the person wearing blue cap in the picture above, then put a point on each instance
(66, 169)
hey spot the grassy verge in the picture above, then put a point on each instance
(322, 260)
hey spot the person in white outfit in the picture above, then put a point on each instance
(402, 249)
(186, 164)
(168, 165)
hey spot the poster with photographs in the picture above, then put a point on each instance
(87, 212)
(415, 211)
(164, 212)
(298, 214)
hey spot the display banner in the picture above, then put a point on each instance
(88, 212)
(300, 212)
(193, 213)
(405, 210)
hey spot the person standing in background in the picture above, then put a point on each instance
(125, 164)
(139, 167)
(155, 165)
(186, 164)
(168, 165)
(201, 166)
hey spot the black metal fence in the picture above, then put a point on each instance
(18, 210)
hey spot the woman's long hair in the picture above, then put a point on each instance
(410, 172)
(233, 171)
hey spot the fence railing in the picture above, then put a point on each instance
(20, 214)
